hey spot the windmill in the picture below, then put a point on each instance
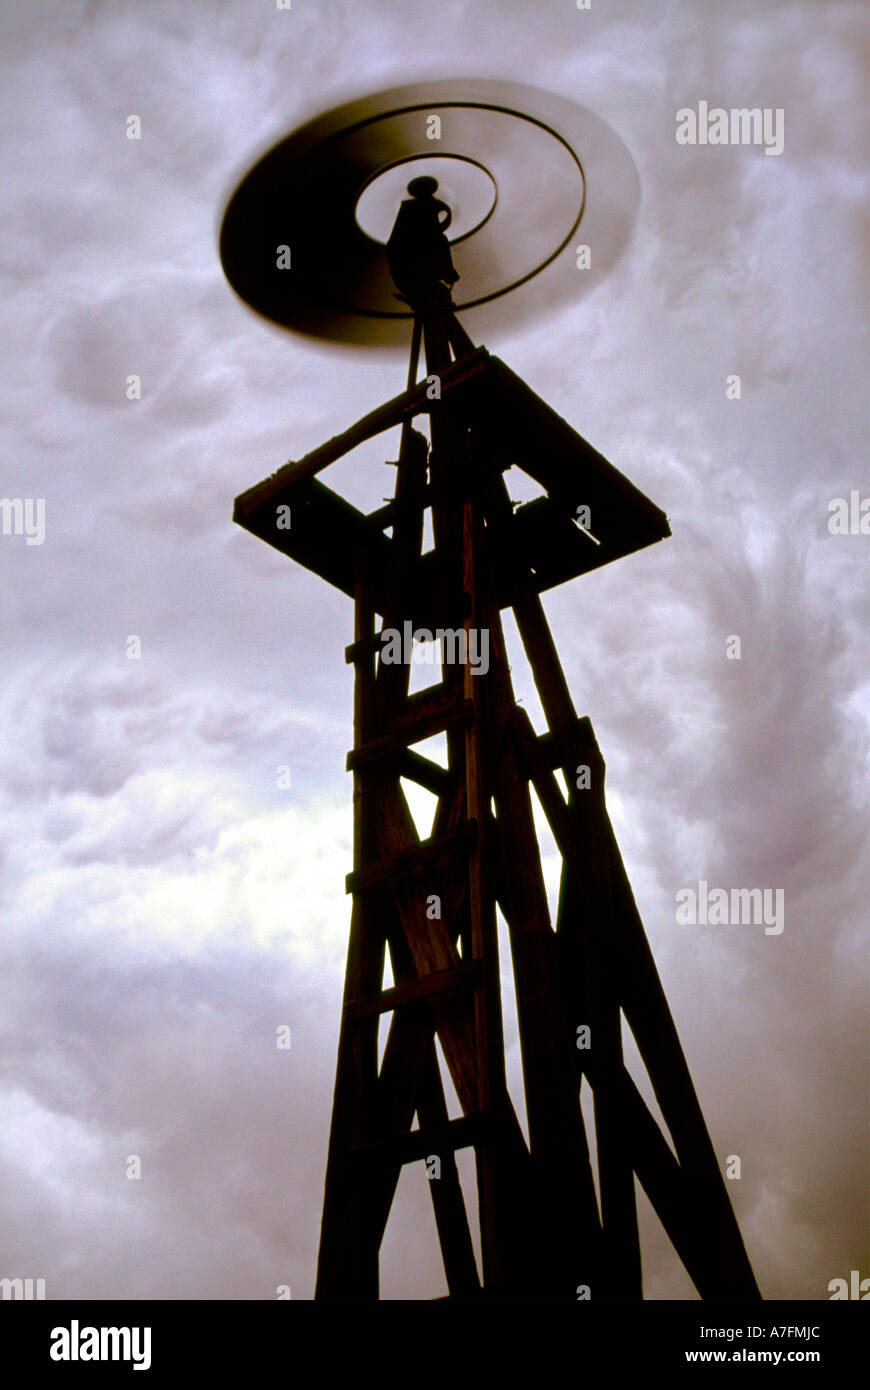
(340, 232)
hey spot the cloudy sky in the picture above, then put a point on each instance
(166, 906)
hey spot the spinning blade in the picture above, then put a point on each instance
(561, 177)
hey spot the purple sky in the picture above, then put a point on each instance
(165, 905)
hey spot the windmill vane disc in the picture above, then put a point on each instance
(292, 247)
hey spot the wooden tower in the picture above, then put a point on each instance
(431, 901)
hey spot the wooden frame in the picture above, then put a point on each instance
(545, 1232)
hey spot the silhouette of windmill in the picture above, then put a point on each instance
(292, 247)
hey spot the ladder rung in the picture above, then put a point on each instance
(366, 646)
(441, 982)
(420, 718)
(381, 870)
(420, 1143)
(415, 501)
(358, 651)
(396, 507)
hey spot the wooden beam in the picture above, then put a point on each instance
(394, 412)
(460, 837)
(451, 1217)
(441, 982)
(417, 721)
(409, 1146)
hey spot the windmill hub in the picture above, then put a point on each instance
(467, 188)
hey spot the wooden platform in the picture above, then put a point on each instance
(327, 534)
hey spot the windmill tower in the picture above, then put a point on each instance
(428, 905)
